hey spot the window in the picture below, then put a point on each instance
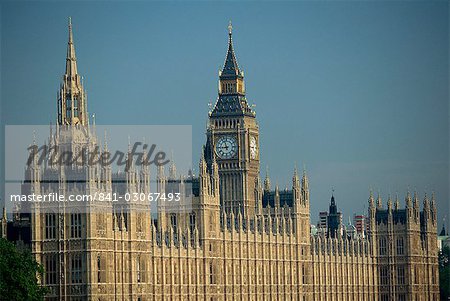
(401, 275)
(101, 269)
(50, 226)
(433, 275)
(384, 275)
(304, 275)
(173, 221)
(401, 297)
(192, 222)
(139, 222)
(50, 269)
(76, 268)
(101, 222)
(75, 225)
(382, 246)
(138, 269)
(211, 274)
(400, 246)
(384, 297)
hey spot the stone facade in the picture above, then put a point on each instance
(241, 241)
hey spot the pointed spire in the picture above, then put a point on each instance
(305, 182)
(416, 201)
(202, 164)
(71, 60)
(295, 178)
(379, 203)
(433, 201)
(172, 168)
(408, 199)
(267, 180)
(397, 203)
(371, 199)
(426, 203)
(230, 67)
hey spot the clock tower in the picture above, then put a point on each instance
(233, 138)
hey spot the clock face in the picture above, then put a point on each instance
(226, 147)
(253, 148)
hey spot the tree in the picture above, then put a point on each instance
(444, 273)
(19, 274)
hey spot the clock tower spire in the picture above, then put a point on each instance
(233, 137)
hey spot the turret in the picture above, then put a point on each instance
(277, 197)
(389, 205)
(433, 210)
(372, 223)
(426, 207)
(161, 189)
(397, 203)
(203, 177)
(267, 181)
(296, 189)
(145, 175)
(4, 224)
(215, 177)
(379, 202)
(172, 170)
(305, 188)
(372, 209)
(258, 195)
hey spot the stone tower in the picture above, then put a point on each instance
(72, 100)
(233, 137)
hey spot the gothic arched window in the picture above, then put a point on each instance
(400, 246)
(75, 225)
(76, 268)
(50, 269)
(50, 226)
(382, 246)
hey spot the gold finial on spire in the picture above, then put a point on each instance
(230, 28)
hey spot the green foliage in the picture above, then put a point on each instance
(444, 273)
(19, 274)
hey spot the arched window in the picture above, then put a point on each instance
(382, 246)
(75, 225)
(76, 268)
(138, 269)
(400, 246)
(192, 222)
(99, 269)
(50, 226)
(50, 269)
(211, 274)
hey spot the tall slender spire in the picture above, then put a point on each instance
(72, 98)
(71, 60)
(267, 180)
(230, 67)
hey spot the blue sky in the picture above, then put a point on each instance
(355, 91)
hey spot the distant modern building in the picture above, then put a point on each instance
(323, 220)
(359, 221)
